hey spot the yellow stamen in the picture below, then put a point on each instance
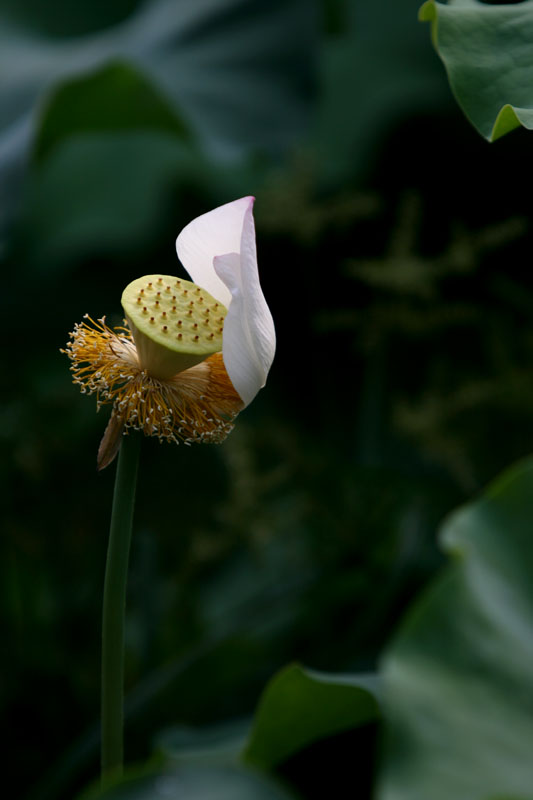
(196, 405)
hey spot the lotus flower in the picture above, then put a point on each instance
(191, 355)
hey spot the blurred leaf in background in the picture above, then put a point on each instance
(206, 62)
(300, 707)
(207, 783)
(375, 72)
(457, 679)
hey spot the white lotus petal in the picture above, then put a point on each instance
(249, 339)
(213, 234)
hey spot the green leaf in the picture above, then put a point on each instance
(241, 73)
(299, 707)
(191, 783)
(114, 98)
(102, 193)
(458, 680)
(486, 50)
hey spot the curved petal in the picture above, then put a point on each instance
(213, 234)
(249, 338)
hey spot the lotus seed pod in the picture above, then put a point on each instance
(175, 323)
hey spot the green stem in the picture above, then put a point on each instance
(114, 608)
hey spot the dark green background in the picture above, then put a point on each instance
(394, 249)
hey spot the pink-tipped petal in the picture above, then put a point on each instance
(213, 234)
(249, 338)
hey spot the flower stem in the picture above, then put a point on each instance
(114, 606)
